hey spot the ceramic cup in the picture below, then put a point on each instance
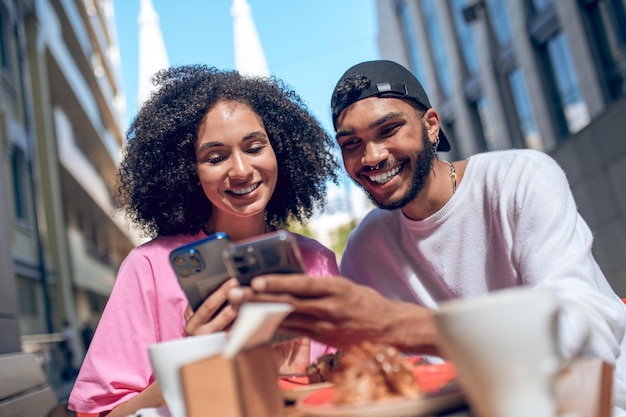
(167, 358)
(504, 347)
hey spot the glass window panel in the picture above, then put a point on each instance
(498, 14)
(408, 31)
(27, 299)
(525, 116)
(486, 120)
(465, 36)
(437, 45)
(574, 107)
(614, 18)
(4, 24)
(541, 4)
(18, 168)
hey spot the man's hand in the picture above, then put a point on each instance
(338, 312)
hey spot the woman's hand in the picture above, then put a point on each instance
(214, 314)
(148, 398)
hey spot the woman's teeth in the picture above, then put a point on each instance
(242, 191)
(385, 177)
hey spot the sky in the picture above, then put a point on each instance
(307, 44)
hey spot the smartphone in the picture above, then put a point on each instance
(270, 253)
(200, 267)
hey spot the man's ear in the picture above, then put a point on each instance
(431, 121)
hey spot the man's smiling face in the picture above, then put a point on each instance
(386, 150)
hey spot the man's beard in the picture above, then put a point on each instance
(422, 168)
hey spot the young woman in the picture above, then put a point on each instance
(210, 151)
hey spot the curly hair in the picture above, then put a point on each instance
(346, 91)
(349, 88)
(157, 183)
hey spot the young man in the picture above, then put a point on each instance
(444, 230)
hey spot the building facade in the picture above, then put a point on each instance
(62, 111)
(542, 74)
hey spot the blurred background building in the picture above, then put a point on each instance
(61, 109)
(541, 74)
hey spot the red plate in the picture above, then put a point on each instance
(437, 382)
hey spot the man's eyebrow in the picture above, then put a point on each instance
(385, 118)
(342, 133)
(375, 123)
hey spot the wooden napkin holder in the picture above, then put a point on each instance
(242, 381)
(244, 386)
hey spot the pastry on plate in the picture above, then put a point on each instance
(373, 372)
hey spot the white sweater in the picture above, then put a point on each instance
(512, 222)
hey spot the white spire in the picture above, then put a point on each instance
(152, 52)
(249, 56)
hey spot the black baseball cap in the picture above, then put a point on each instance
(387, 79)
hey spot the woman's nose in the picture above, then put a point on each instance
(240, 166)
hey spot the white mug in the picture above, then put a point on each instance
(167, 358)
(504, 347)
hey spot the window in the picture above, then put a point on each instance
(8, 40)
(486, 121)
(605, 23)
(525, 116)
(571, 102)
(408, 31)
(465, 37)
(27, 300)
(19, 172)
(499, 18)
(437, 45)
(542, 4)
(4, 24)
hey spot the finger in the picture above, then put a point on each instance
(222, 321)
(188, 312)
(303, 286)
(239, 295)
(214, 301)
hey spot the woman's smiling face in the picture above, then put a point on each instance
(236, 163)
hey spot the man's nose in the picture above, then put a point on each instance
(374, 154)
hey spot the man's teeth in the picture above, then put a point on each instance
(386, 177)
(246, 190)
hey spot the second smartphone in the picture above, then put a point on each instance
(270, 253)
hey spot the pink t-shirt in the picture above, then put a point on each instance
(147, 306)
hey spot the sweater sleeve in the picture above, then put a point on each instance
(552, 249)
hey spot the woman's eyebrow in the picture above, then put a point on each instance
(213, 144)
(253, 135)
(207, 145)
